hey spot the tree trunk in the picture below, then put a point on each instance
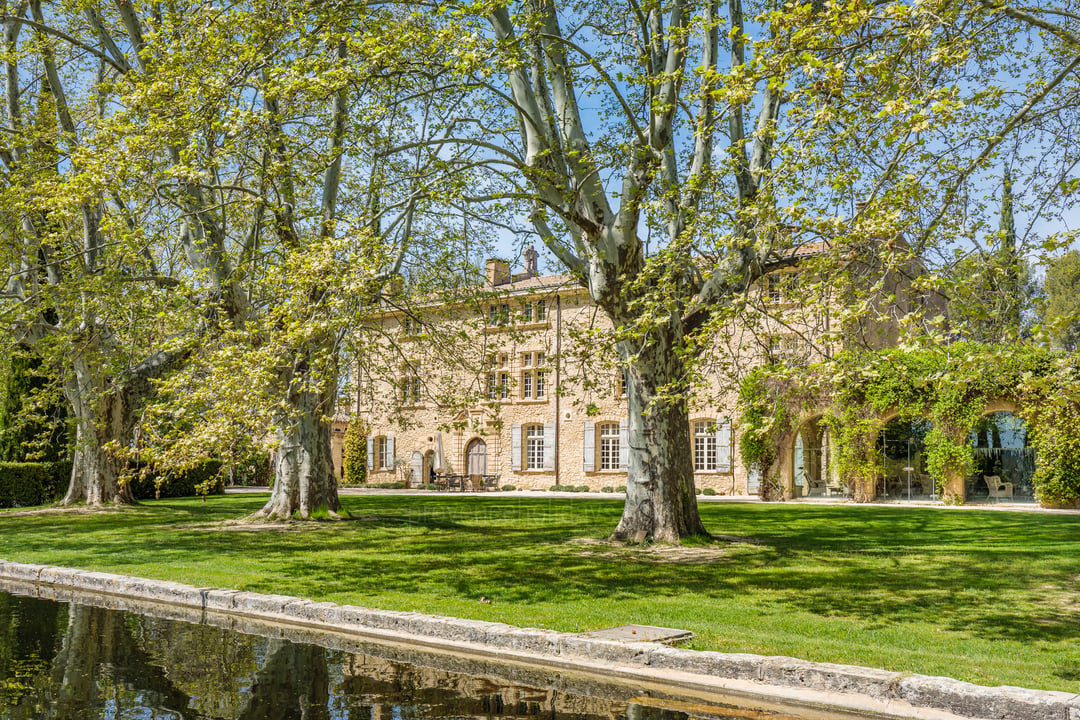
(304, 481)
(102, 416)
(660, 499)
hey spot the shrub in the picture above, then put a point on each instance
(607, 489)
(204, 479)
(561, 488)
(708, 491)
(581, 488)
(26, 484)
(355, 461)
(387, 485)
(508, 488)
(620, 489)
(428, 486)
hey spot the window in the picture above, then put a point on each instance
(533, 376)
(498, 383)
(773, 284)
(704, 447)
(410, 385)
(620, 383)
(411, 326)
(609, 446)
(382, 453)
(534, 447)
(533, 312)
(498, 314)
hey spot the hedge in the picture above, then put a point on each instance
(28, 484)
(179, 484)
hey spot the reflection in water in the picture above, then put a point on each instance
(76, 662)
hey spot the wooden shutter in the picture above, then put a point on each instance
(371, 453)
(624, 444)
(588, 447)
(549, 446)
(515, 447)
(723, 444)
(390, 451)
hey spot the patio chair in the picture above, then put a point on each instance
(491, 482)
(996, 488)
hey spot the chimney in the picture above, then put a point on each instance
(531, 256)
(498, 272)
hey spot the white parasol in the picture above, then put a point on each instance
(440, 460)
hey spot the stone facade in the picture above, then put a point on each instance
(535, 397)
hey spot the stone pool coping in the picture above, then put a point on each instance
(816, 686)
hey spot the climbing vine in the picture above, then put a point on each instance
(948, 386)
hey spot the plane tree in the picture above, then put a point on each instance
(224, 195)
(671, 155)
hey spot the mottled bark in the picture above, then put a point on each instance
(304, 481)
(660, 498)
(102, 416)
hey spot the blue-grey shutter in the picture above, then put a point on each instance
(515, 447)
(624, 444)
(371, 453)
(390, 459)
(588, 446)
(549, 446)
(723, 444)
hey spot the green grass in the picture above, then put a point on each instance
(988, 597)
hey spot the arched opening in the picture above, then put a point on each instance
(812, 472)
(429, 467)
(416, 469)
(1004, 460)
(902, 448)
(476, 457)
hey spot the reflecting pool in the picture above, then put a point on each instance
(72, 660)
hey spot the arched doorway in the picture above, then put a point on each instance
(476, 458)
(429, 467)
(416, 468)
(811, 472)
(1004, 461)
(902, 448)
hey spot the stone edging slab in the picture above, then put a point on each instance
(844, 687)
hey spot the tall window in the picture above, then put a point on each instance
(704, 447)
(609, 446)
(534, 447)
(533, 312)
(498, 382)
(382, 453)
(498, 314)
(410, 383)
(620, 383)
(533, 376)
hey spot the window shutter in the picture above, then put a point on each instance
(515, 447)
(588, 447)
(624, 444)
(549, 446)
(417, 468)
(371, 453)
(723, 444)
(390, 458)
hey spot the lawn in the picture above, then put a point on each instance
(988, 597)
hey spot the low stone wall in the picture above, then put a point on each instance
(815, 685)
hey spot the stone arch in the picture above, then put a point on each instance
(1004, 460)
(475, 460)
